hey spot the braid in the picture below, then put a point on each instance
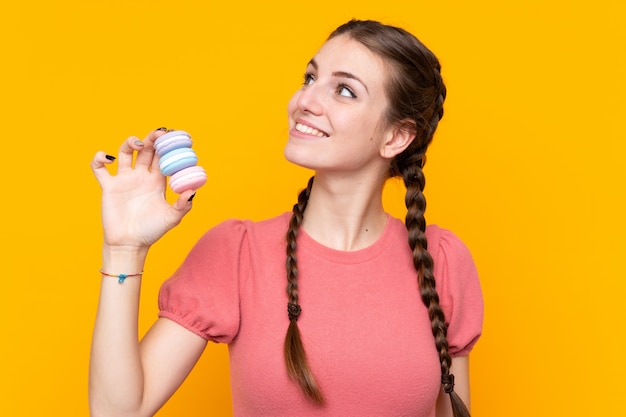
(415, 201)
(295, 356)
(440, 97)
(410, 166)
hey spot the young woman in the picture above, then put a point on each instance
(371, 322)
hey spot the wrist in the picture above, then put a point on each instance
(123, 259)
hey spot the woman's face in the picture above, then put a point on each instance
(336, 120)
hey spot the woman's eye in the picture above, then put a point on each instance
(308, 79)
(345, 91)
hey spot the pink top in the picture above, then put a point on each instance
(365, 329)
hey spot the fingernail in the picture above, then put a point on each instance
(138, 143)
(162, 128)
(192, 196)
(110, 157)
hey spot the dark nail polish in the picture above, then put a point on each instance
(162, 128)
(110, 157)
(192, 196)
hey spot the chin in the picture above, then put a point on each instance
(298, 156)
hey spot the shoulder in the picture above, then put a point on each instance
(457, 283)
(443, 243)
(233, 228)
(236, 235)
(275, 224)
(454, 267)
(459, 288)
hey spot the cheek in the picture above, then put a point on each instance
(364, 124)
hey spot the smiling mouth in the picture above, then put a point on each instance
(310, 131)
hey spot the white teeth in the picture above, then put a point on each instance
(309, 130)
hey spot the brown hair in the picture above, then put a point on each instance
(416, 94)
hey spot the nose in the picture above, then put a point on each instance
(309, 99)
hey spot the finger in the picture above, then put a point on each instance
(154, 135)
(145, 157)
(184, 201)
(127, 151)
(181, 206)
(98, 166)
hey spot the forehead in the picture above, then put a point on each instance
(344, 54)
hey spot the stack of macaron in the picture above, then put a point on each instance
(179, 162)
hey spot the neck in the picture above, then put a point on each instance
(345, 213)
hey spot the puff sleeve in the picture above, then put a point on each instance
(203, 294)
(459, 289)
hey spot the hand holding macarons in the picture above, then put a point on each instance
(179, 162)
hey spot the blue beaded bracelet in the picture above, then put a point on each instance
(121, 277)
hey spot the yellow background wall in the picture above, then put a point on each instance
(526, 168)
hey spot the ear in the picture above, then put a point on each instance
(397, 138)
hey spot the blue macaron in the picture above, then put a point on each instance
(177, 160)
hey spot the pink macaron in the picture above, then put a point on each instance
(190, 178)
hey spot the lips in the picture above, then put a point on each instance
(309, 130)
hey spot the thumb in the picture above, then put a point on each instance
(184, 200)
(180, 208)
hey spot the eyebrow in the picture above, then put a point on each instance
(341, 74)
